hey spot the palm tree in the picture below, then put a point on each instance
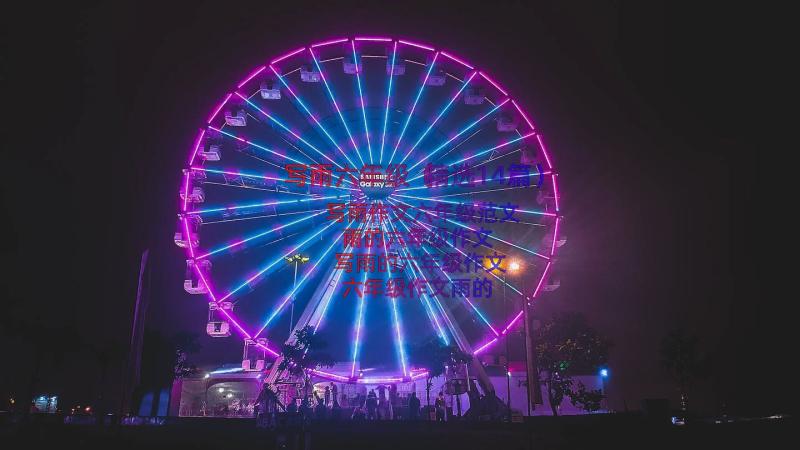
(681, 359)
(434, 356)
(305, 354)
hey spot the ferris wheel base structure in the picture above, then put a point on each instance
(378, 104)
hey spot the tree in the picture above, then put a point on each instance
(434, 356)
(305, 354)
(184, 344)
(681, 359)
(566, 346)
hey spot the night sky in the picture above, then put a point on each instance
(643, 107)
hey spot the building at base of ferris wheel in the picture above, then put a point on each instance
(229, 392)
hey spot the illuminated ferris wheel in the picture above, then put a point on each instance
(382, 192)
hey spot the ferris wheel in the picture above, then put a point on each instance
(379, 190)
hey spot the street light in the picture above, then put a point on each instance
(295, 259)
(515, 267)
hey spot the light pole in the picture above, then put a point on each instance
(508, 371)
(531, 372)
(295, 259)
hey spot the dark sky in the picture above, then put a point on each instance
(643, 106)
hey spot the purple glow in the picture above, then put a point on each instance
(555, 190)
(484, 346)
(361, 96)
(251, 76)
(221, 105)
(414, 106)
(414, 44)
(555, 238)
(541, 280)
(186, 194)
(522, 113)
(197, 143)
(447, 55)
(332, 41)
(493, 83)
(288, 55)
(388, 98)
(544, 151)
(513, 321)
(372, 38)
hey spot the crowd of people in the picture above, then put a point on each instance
(385, 404)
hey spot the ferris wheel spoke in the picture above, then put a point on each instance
(480, 153)
(489, 236)
(251, 281)
(321, 318)
(311, 270)
(439, 116)
(268, 216)
(438, 198)
(274, 229)
(457, 135)
(336, 105)
(295, 135)
(466, 298)
(388, 101)
(414, 106)
(257, 205)
(424, 297)
(359, 318)
(398, 330)
(258, 146)
(502, 280)
(311, 116)
(234, 178)
(359, 68)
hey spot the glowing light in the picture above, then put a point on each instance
(219, 107)
(373, 39)
(361, 97)
(414, 44)
(311, 115)
(414, 106)
(332, 41)
(514, 266)
(336, 105)
(442, 113)
(447, 55)
(464, 130)
(493, 83)
(288, 55)
(604, 373)
(251, 76)
(388, 99)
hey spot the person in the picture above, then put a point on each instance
(334, 391)
(336, 410)
(358, 414)
(320, 411)
(268, 403)
(372, 405)
(394, 401)
(413, 407)
(327, 395)
(439, 404)
(384, 410)
(305, 410)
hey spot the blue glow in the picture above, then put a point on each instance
(336, 105)
(467, 128)
(311, 115)
(388, 99)
(604, 373)
(452, 100)
(361, 96)
(413, 107)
